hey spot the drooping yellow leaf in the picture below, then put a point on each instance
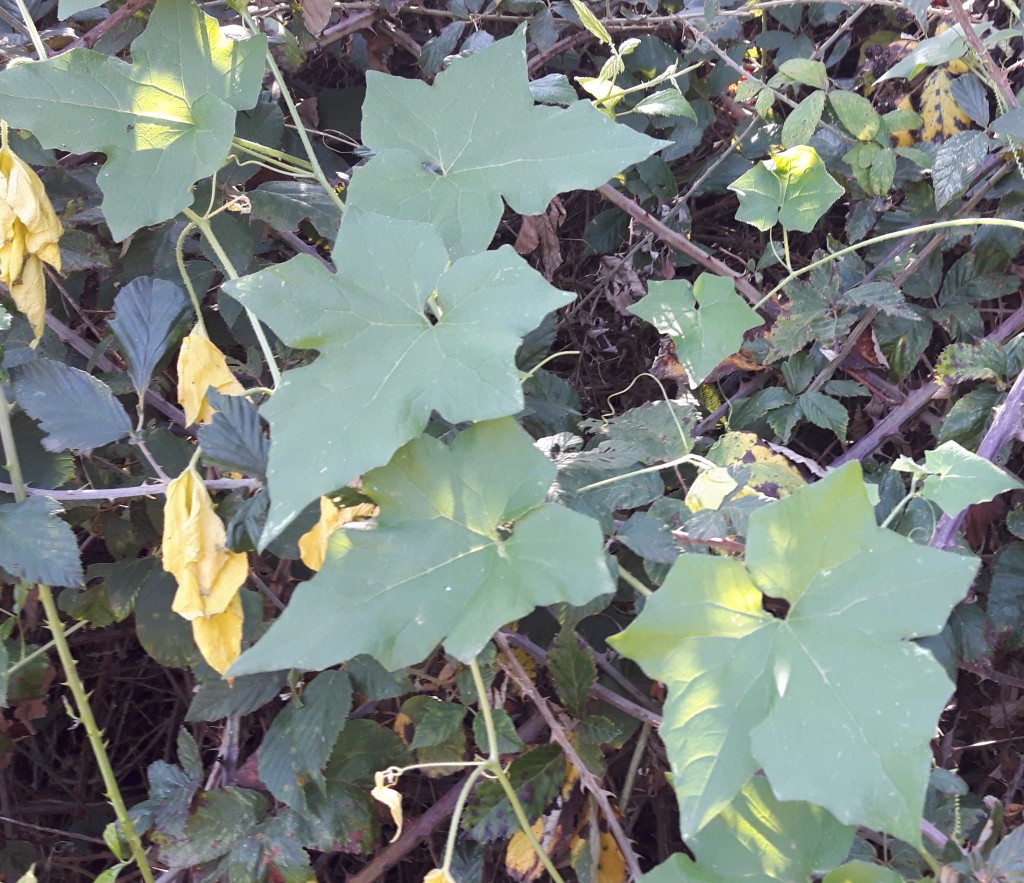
(439, 875)
(29, 233)
(200, 366)
(219, 637)
(208, 574)
(391, 798)
(313, 543)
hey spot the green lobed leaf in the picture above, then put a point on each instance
(861, 872)
(463, 544)
(447, 153)
(706, 320)
(149, 314)
(395, 302)
(36, 545)
(960, 478)
(164, 121)
(299, 742)
(760, 838)
(801, 696)
(76, 410)
(792, 188)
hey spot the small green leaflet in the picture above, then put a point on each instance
(801, 697)
(463, 544)
(760, 839)
(447, 153)
(446, 333)
(792, 188)
(704, 336)
(165, 121)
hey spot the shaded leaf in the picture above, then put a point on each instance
(147, 320)
(77, 411)
(234, 438)
(573, 671)
(36, 545)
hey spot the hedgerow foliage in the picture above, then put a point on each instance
(672, 536)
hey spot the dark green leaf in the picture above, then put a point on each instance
(36, 545)
(438, 722)
(163, 634)
(234, 439)
(825, 412)
(300, 739)
(149, 315)
(222, 819)
(573, 671)
(536, 777)
(649, 538)
(286, 204)
(504, 731)
(77, 411)
(218, 698)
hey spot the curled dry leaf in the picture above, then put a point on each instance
(392, 799)
(29, 232)
(208, 574)
(540, 232)
(621, 282)
(200, 366)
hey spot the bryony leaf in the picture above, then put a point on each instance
(463, 544)
(959, 478)
(800, 695)
(792, 188)
(164, 121)
(396, 302)
(447, 153)
(760, 838)
(384, 792)
(77, 411)
(704, 336)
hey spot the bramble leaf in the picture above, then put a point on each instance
(801, 696)
(446, 333)
(463, 544)
(165, 121)
(448, 153)
(36, 545)
(704, 336)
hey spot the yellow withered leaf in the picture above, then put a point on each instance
(392, 799)
(208, 574)
(219, 637)
(313, 543)
(200, 366)
(438, 875)
(29, 233)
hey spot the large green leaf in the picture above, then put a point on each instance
(793, 188)
(447, 153)
(400, 333)
(464, 544)
(164, 121)
(803, 696)
(760, 839)
(704, 336)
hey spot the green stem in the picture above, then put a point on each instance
(46, 648)
(179, 256)
(640, 588)
(885, 237)
(30, 26)
(203, 225)
(67, 661)
(695, 459)
(285, 162)
(293, 112)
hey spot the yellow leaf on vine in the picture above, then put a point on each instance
(219, 637)
(313, 543)
(208, 574)
(438, 875)
(29, 232)
(200, 366)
